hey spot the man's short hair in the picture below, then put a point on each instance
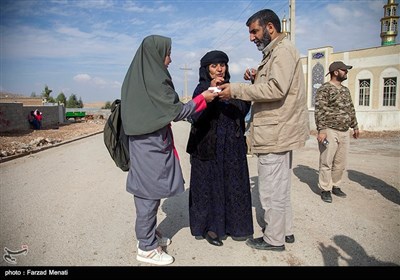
(265, 16)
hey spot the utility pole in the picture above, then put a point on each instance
(186, 80)
(292, 16)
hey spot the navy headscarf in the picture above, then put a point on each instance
(204, 74)
(203, 134)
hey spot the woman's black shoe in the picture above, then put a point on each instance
(241, 238)
(213, 241)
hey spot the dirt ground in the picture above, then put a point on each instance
(374, 134)
(13, 143)
(73, 216)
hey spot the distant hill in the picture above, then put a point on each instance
(95, 105)
(9, 94)
(98, 104)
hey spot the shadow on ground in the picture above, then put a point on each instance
(372, 183)
(351, 252)
(308, 176)
(176, 209)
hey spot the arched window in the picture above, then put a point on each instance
(364, 92)
(389, 91)
(317, 80)
(385, 26)
(393, 26)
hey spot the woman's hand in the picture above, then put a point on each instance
(209, 95)
(217, 81)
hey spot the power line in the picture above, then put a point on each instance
(234, 33)
(185, 69)
(226, 31)
(221, 39)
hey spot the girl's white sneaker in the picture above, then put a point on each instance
(156, 256)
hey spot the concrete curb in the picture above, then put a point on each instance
(5, 159)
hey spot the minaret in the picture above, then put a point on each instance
(285, 27)
(389, 23)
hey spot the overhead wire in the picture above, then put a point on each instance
(263, 7)
(220, 41)
(234, 22)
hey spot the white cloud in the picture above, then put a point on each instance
(156, 8)
(235, 68)
(116, 84)
(47, 41)
(73, 32)
(94, 81)
(82, 78)
(99, 82)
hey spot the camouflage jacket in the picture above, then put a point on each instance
(334, 108)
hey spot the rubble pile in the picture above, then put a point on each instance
(23, 148)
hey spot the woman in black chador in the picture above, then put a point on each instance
(219, 195)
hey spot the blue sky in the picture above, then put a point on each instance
(85, 47)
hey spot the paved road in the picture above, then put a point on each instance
(68, 204)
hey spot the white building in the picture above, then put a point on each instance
(373, 80)
(373, 83)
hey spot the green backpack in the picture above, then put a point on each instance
(115, 139)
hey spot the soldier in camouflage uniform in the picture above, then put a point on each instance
(334, 115)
